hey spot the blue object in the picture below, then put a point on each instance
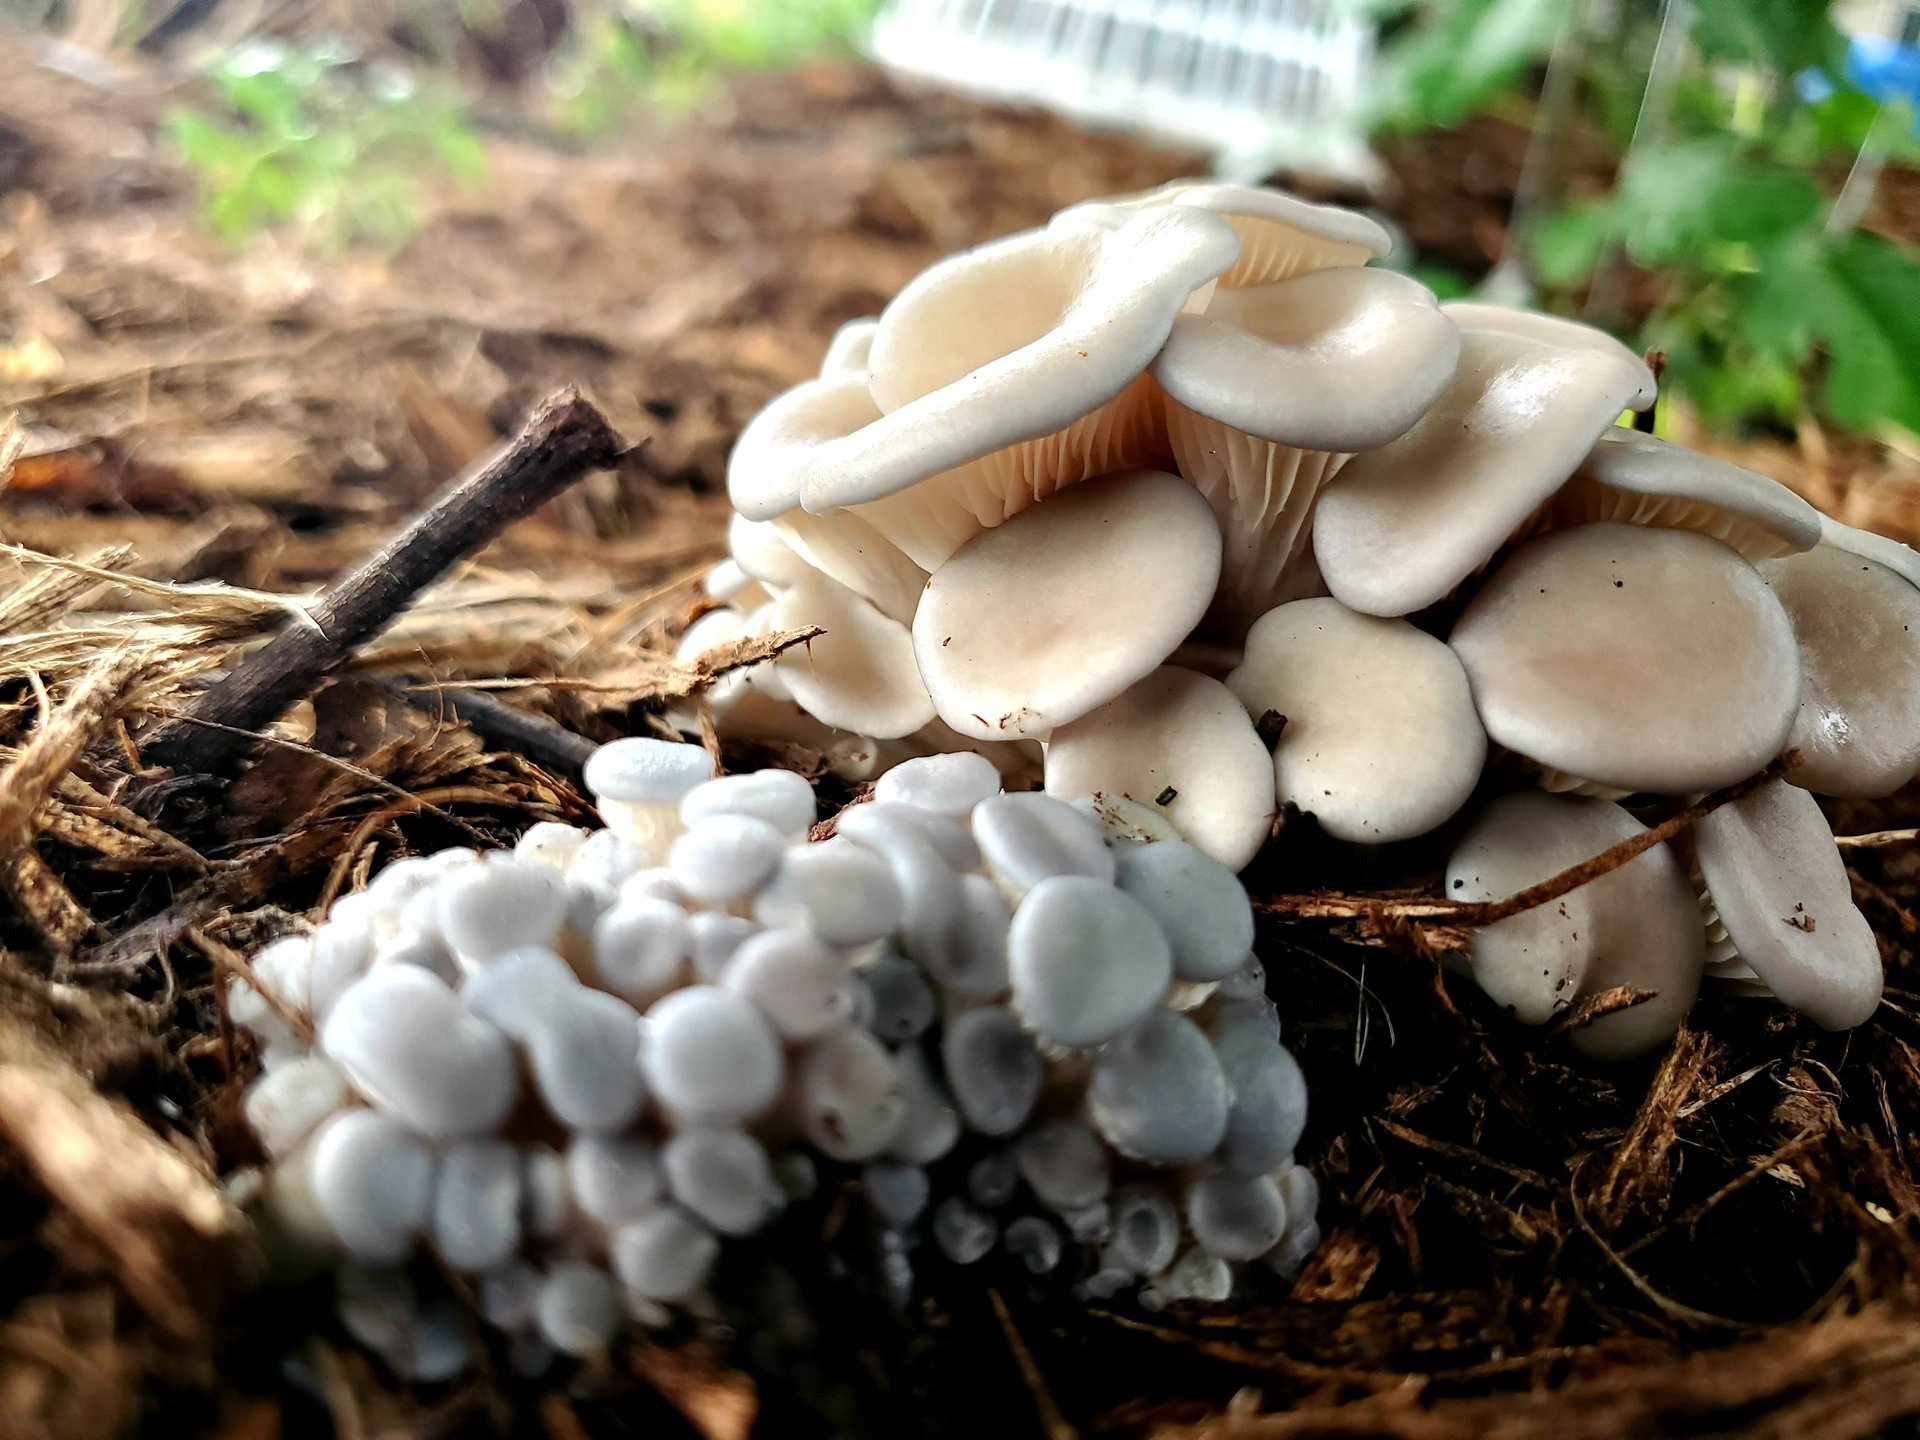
(1885, 68)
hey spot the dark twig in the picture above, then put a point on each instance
(498, 723)
(564, 440)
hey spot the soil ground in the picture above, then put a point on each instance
(1722, 1241)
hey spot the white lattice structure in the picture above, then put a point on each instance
(1263, 84)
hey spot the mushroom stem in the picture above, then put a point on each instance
(1378, 911)
(565, 438)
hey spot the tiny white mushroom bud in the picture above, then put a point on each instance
(931, 1127)
(585, 1057)
(665, 1255)
(879, 822)
(1063, 1163)
(373, 1182)
(1087, 960)
(614, 1178)
(721, 1175)
(486, 910)
(993, 1069)
(1158, 1092)
(550, 843)
(425, 949)
(513, 990)
(437, 1348)
(508, 1294)
(604, 861)
(1029, 838)
(413, 1049)
(1199, 903)
(904, 1005)
(578, 1308)
(1145, 1230)
(843, 893)
(1196, 1275)
(1034, 1243)
(945, 784)
(709, 1054)
(963, 1234)
(476, 1205)
(714, 939)
(342, 951)
(639, 784)
(802, 987)
(284, 970)
(849, 1095)
(992, 1179)
(285, 1104)
(781, 798)
(725, 857)
(641, 947)
(898, 1193)
(1237, 1217)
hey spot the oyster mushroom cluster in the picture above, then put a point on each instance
(566, 1074)
(1182, 493)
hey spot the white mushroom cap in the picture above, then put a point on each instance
(1280, 235)
(1781, 890)
(860, 675)
(486, 910)
(373, 1183)
(722, 1175)
(613, 1178)
(792, 978)
(1571, 334)
(1087, 961)
(1381, 741)
(763, 553)
(947, 784)
(1338, 360)
(1158, 1092)
(782, 798)
(1005, 343)
(708, 1054)
(665, 1255)
(852, 344)
(288, 1101)
(843, 546)
(1858, 623)
(577, 1308)
(638, 784)
(1644, 660)
(1643, 480)
(1401, 527)
(1033, 624)
(849, 1097)
(1638, 925)
(1026, 839)
(585, 1057)
(476, 1205)
(1174, 732)
(724, 857)
(412, 1048)
(840, 891)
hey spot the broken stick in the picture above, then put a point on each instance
(565, 438)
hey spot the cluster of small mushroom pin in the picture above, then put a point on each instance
(570, 1071)
(1182, 491)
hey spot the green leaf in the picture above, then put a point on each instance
(1458, 56)
(1566, 247)
(1787, 36)
(1871, 299)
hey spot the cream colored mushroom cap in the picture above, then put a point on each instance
(1341, 360)
(859, 675)
(771, 461)
(1781, 889)
(1638, 925)
(1858, 623)
(1402, 526)
(1181, 744)
(1478, 315)
(1643, 480)
(1381, 740)
(1003, 343)
(1645, 660)
(848, 351)
(1280, 235)
(1031, 625)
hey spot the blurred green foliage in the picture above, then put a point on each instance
(311, 137)
(1764, 306)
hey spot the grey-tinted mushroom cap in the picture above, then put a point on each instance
(931, 1126)
(1571, 334)
(850, 348)
(1236, 1217)
(1087, 961)
(1145, 1233)
(1063, 1164)
(963, 1234)
(898, 1193)
(860, 675)
(1401, 527)
(997, 345)
(476, 1205)
(1381, 740)
(1026, 838)
(1644, 480)
(1197, 902)
(412, 1048)
(665, 1255)
(992, 1068)
(614, 1178)
(904, 1004)
(1782, 892)
(1034, 623)
(373, 1182)
(578, 1308)
(709, 1054)
(1183, 744)
(1645, 660)
(1269, 1107)
(1341, 360)
(1638, 925)
(1280, 235)
(722, 1175)
(1858, 624)
(1903, 560)
(1158, 1092)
